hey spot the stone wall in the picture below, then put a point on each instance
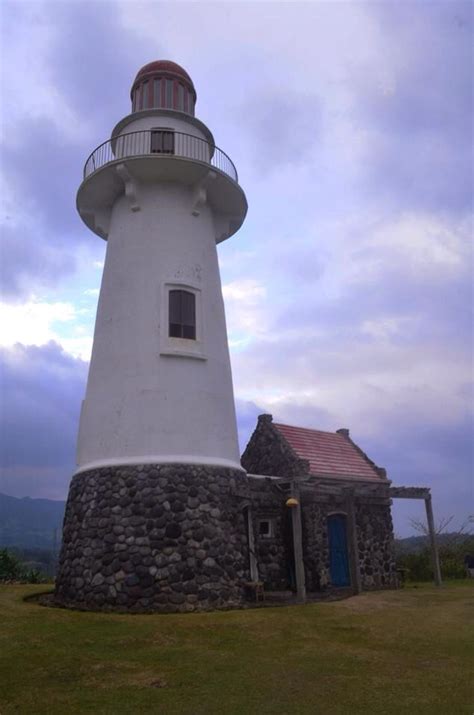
(269, 453)
(374, 537)
(375, 545)
(316, 542)
(268, 502)
(154, 538)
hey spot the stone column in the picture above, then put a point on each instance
(353, 542)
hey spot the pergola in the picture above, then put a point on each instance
(314, 488)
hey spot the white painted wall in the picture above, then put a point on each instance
(162, 119)
(142, 405)
(132, 144)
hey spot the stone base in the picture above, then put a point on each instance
(166, 538)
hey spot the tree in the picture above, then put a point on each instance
(453, 548)
(11, 568)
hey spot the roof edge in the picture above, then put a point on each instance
(380, 471)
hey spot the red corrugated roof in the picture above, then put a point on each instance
(328, 453)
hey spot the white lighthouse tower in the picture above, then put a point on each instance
(153, 521)
(162, 195)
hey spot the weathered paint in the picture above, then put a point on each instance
(150, 397)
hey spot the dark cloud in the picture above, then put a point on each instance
(88, 56)
(93, 60)
(42, 389)
(438, 456)
(418, 119)
(44, 172)
(26, 260)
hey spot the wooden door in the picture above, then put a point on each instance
(338, 555)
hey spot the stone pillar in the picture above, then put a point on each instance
(353, 542)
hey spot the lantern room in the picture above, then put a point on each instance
(163, 85)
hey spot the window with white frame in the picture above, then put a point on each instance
(266, 528)
(181, 323)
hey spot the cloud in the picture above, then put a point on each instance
(348, 288)
(418, 121)
(37, 323)
(247, 413)
(68, 100)
(42, 389)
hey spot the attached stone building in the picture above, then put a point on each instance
(320, 511)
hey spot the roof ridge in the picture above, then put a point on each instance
(338, 455)
(309, 429)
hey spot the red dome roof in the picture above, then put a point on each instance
(164, 66)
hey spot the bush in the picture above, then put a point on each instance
(12, 569)
(451, 557)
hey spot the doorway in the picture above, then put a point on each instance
(338, 554)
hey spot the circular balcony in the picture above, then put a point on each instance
(160, 155)
(159, 142)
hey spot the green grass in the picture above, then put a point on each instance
(405, 651)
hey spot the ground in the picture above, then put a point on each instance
(406, 651)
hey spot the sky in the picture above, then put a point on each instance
(348, 290)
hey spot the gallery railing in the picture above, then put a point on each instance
(159, 143)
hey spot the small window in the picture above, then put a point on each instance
(162, 141)
(145, 94)
(190, 103)
(181, 97)
(182, 314)
(137, 99)
(265, 528)
(169, 93)
(157, 93)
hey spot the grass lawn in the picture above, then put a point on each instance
(405, 651)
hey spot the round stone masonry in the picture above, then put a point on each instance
(165, 538)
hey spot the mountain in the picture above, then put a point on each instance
(30, 523)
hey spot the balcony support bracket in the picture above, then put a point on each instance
(131, 187)
(199, 194)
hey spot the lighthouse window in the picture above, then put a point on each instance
(162, 141)
(190, 103)
(145, 95)
(169, 93)
(157, 93)
(181, 97)
(182, 314)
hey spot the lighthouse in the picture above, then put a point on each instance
(152, 521)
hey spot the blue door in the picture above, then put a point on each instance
(338, 556)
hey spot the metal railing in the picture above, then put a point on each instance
(156, 142)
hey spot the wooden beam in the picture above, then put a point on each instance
(434, 545)
(252, 553)
(409, 492)
(298, 546)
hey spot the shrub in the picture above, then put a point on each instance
(451, 557)
(12, 569)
